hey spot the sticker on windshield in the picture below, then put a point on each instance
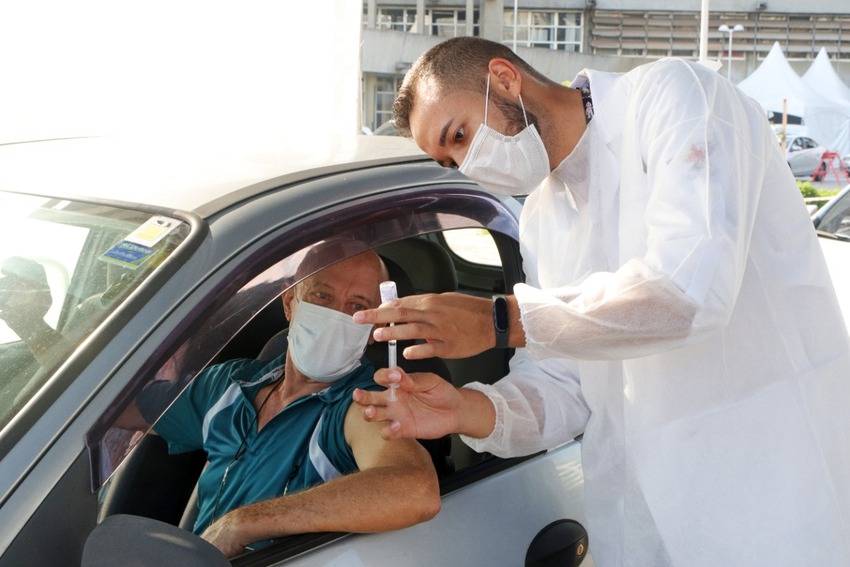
(127, 254)
(152, 231)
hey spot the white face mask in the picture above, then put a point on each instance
(325, 344)
(506, 165)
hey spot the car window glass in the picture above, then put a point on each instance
(227, 334)
(235, 322)
(474, 245)
(115, 438)
(251, 324)
(57, 288)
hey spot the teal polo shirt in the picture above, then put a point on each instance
(303, 445)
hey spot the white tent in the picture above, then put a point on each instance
(774, 81)
(822, 77)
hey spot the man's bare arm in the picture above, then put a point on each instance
(396, 487)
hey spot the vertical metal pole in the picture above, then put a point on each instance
(371, 14)
(420, 18)
(703, 32)
(729, 57)
(515, 22)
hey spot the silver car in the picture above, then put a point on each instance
(146, 251)
(804, 155)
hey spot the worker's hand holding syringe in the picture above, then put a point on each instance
(431, 406)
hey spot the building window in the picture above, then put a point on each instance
(802, 35)
(442, 22)
(676, 34)
(398, 19)
(449, 23)
(386, 89)
(552, 29)
(645, 34)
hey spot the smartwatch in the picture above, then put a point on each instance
(500, 320)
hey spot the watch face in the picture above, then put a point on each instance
(500, 314)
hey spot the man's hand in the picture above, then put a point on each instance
(224, 534)
(454, 325)
(427, 407)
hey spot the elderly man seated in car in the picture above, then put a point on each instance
(287, 452)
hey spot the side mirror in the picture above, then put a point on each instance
(563, 543)
(144, 542)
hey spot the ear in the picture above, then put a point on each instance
(287, 298)
(505, 78)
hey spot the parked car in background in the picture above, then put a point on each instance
(832, 221)
(803, 155)
(159, 256)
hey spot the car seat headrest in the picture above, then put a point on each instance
(428, 265)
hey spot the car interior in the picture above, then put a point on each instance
(154, 484)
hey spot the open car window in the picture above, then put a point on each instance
(245, 321)
(58, 287)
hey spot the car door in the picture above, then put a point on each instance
(501, 504)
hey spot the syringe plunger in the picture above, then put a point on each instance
(388, 292)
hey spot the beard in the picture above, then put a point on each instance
(514, 115)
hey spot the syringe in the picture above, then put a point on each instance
(390, 293)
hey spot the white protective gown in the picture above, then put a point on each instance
(671, 259)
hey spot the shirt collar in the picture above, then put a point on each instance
(274, 370)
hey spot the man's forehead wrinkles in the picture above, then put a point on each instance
(317, 281)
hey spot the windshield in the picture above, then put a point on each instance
(64, 267)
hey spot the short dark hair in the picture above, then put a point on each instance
(457, 64)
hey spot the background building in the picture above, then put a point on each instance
(561, 37)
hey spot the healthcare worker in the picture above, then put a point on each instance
(677, 310)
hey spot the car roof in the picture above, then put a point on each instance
(199, 176)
